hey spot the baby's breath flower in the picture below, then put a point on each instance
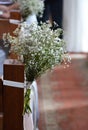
(41, 48)
(29, 7)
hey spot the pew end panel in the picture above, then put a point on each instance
(13, 95)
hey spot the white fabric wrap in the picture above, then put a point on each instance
(13, 84)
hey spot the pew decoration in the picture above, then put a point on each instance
(29, 7)
(40, 49)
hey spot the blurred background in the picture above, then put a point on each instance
(75, 24)
(63, 93)
(72, 17)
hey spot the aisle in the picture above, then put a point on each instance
(63, 98)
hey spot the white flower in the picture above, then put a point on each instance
(41, 48)
(31, 7)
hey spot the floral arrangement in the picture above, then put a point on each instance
(39, 47)
(31, 6)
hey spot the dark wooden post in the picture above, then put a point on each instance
(13, 83)
(1, 91)
(1, 105)
(4, 27)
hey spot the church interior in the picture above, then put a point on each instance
(59, 98)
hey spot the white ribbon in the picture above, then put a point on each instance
(13, 84)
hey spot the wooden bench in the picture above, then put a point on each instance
(1, 106)
(12, 96)
(6, 25)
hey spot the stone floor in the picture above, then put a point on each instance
(63, 97)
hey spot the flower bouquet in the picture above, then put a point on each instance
(39, 47)
(29, 7)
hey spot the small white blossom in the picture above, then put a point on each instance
(41, 48)
(31, 7)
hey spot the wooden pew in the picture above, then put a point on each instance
(12, 93)
(1, 106)
(11, 97)
(15, 14)
(6, 25)
(1, 93)
(13, 83)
